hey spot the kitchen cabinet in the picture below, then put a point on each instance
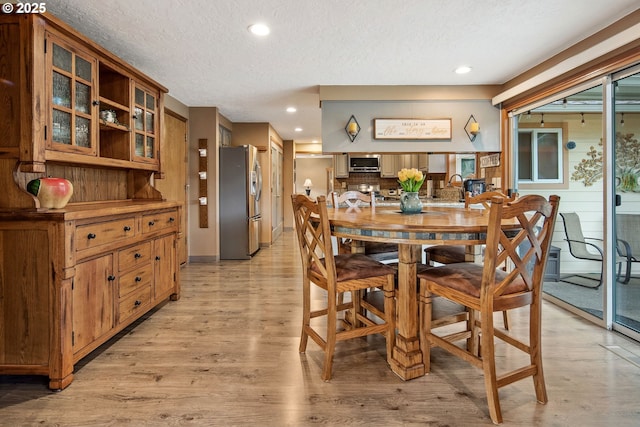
(406, 161)
(423, 162)
(72, 278)
(388, 168)
(97, 269)
(392, 163)
(437, 163)
(145, 124)
(70, 79)
(73, 103)
(341, 165)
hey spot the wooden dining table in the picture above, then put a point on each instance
(434, 225)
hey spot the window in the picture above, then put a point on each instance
(540, 156)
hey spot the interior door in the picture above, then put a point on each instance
(174, 165)
(277, 208)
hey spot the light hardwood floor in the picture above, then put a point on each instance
(226, 354)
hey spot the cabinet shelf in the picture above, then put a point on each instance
(113, 104)
(104, 125)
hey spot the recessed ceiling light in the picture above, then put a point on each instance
(298, 129)
(259, 29)
(463, 69)
(291, 109)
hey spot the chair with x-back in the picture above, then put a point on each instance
(449, 254)
(488, 288)
(336, 275)
(380, 251)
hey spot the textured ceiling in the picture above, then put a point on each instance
(201, 49)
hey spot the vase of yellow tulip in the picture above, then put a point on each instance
(410, 180)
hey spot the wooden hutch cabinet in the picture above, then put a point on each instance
(72, 278)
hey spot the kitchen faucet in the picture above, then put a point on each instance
(453, 176)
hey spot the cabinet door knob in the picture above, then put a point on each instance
(157, 257)
(171, 219)
(138, 279)
(95, 102)
(91, 236)
(151, 223)
(137, 303)
(137, 255)
(127, 228)
(111, 278)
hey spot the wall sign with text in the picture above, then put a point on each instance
(411, 129)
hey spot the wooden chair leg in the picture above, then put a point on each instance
(487, 349)
(390, 316)
(306, 315)
(505, 319)
(425, 310)
(535, 333)
(330, 346)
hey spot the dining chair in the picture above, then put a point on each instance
(379, 251)
(485, 289)
(337, 275)
(450, 254)
(579, 248)
(627, 226)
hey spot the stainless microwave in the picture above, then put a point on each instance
(364, 163)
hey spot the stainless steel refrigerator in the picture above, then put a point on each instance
(240, 191)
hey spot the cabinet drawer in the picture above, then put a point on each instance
(134, 302)
(133, 256)
(92, 235)
(159, 221)
(134, 279)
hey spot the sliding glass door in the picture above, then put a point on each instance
(626, 134)
(559, 150)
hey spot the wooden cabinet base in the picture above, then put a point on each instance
(72, 278)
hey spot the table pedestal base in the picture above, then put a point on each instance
(406, 361)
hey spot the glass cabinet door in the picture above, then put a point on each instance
(72, 77)
(145, 124)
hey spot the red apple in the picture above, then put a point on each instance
(51, 192)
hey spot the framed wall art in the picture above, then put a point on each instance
(419, 129)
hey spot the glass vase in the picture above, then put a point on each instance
(410, 203)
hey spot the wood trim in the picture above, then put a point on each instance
(620, 59)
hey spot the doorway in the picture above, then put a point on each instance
(174, 166)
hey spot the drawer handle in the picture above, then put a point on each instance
(151, 223)
(157, 257)
(137, 255)
(138, 279)
(171, 219)
(127, 228)
(137, 303)
(111, 278)
(91, 236)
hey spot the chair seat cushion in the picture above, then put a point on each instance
(446, 254)
(466, 277)
(357, 266)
